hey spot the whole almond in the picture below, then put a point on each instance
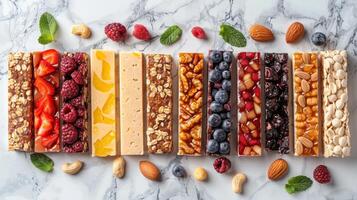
(278, 169)
(295, 32)
(261, 33)
(149, 170)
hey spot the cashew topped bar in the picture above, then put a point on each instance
(190, 103)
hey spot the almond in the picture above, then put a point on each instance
(149, 170)
(277, 169)
(261, 33)
(295, 32)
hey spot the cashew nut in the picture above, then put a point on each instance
(81, 30)
(237, 182)
(72, 168)
(119, 167)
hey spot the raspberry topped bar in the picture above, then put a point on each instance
(46, 97)
(219, 102)
(276, 102)
(159, 103)
(74, 102)
(249, 104)
(190, 103)
(104, 107)
(20, 102)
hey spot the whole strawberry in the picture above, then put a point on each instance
(198, 32)
(115, 31)
(322, 175)
(140, 32)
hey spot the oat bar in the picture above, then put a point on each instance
(190, 103)
(20, 102)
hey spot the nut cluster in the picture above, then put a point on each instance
(190, 103)
(336, 130)
(20, 106)
(159, 103)
(306, 106)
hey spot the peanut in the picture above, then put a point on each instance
(237, 182)
(119, 167)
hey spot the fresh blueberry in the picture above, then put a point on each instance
(212, 146)
(223, 116)
(224, 148)
(226, 74)
(219, 135)
(214, 76)
(228, 115)
(179, 171)
(318, 39)
(214, 92)
(226, 125)
(226, 85)
(223, 66)
(221, 96)
(216, 56)
(227, 56)
(216, 107)
(214, 120)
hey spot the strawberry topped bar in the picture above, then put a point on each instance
(74, 102)
(46, 101)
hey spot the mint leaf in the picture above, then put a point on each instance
(171, 35)
(298, 184)
(48, 28)
(232, 36)
(42, 162)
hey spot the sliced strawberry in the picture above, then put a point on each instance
(47, 122)
(44, 87)
(50, 141)
(56, 126)
(51, 56)
(44, 68)
(37, 122)
(49, 105)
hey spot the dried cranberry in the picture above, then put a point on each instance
(222, 164)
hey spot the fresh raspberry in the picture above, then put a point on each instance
(83, 68)
(69, 134)
(77, 77)
(81, 110)
(67, 64)
(79, 57)
(141, 33)
(198, 32)
(321, 174)
(79, 123)
(69, 89)
(78, 101)
(115, 31)
(222, 165)
(68, 113)
(78, 146)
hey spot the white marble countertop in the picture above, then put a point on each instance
(19, 180)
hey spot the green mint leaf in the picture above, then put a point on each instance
(298, 184)
(232, 36)
(171, 35)
(42, 162)
(48, 28)
(45, 39)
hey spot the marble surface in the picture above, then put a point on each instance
(19, 31)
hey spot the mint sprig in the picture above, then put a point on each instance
(171, 35)
(232, 36)
(48, 28)
(42, 162)
(298, 184)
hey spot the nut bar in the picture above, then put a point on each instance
(159, 103)
(249, 104)
(131, 72)
(20, 104)
(104, 107)
(276, 102)
(219, 102)
(74, 102)
(190, 103)
(46, 98)
(306, 104)
(337, 137)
